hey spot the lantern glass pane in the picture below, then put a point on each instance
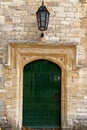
(38, 20)
(38, 25)
(43, 14)
(42, 17)
(47, 20)
(42, 20)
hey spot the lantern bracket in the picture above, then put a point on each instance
(42, 35)
(42, 2)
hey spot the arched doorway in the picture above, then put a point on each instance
(42, 95)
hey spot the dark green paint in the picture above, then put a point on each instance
(40, 84)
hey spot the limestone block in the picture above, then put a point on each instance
(8, 84)
(8, 20)
(11, 94)
(84, 1)
(2, 19)
(7, 28)
(2, 95)
(58, 9)
(70, 9)
(74, 1)
(62, 14)
(6, 0)
(84, 41)
(85, 97)
(67, 4)
(17, 19)
(70, 14)
(56, 3)
(84, 22)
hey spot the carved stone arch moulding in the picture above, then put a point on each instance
(21, 54)
(63, 55)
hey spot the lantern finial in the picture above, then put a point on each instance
(42, 2)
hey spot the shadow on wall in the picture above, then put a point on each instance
(80, 124)
(4, 124)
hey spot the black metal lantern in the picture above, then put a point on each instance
(42, 18)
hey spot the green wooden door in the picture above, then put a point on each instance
(42, 95)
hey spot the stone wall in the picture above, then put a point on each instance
(68, 26)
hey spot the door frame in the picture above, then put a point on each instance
(21, 54)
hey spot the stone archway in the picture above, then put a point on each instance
(21, 54)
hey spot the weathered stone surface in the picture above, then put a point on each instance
(68, 26)
(84, 1)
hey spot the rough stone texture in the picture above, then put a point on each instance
(67, 25)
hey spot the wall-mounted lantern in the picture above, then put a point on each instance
(42, 16)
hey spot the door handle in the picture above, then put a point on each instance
(58, 97)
